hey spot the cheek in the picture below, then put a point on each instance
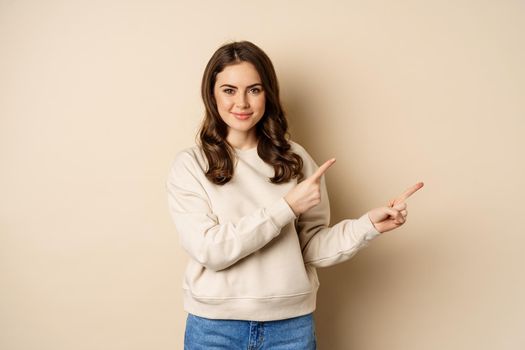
(222, 103)
(260, 103)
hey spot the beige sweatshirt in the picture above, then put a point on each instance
(251, 258)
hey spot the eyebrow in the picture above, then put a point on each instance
(235, 87)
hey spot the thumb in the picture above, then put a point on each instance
(400, 206)
(378, 215)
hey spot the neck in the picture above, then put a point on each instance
(242, 141)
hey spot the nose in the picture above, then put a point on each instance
(242, 101)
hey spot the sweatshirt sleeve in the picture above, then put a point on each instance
(213, 244)
(326, 246)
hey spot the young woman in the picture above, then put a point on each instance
(251, 209)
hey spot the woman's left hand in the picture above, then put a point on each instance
(394, 215)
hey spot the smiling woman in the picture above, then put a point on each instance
(243, 111)
(251, 208)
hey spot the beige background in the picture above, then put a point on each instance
(96, 97)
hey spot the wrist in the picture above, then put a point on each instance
(291, 205)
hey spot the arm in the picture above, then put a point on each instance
(326, 246)
(217, 245)
(323, 245)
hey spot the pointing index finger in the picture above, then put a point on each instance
(322, 169)
(410, 191)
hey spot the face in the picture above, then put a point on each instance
(240, 99)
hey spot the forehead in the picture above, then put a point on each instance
(239, 74)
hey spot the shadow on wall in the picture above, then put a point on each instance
(343, 296)
(346, 289)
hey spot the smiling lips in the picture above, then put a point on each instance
(242, 116)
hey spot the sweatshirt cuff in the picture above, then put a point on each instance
(370, 232)
(280, 213)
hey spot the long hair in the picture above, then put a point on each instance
(272, 130)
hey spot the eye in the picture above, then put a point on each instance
(255, 90)
(229, 91)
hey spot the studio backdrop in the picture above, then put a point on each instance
(97, 97)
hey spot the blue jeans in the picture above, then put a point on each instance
(296, 333)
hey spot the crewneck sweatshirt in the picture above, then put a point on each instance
(250, 256)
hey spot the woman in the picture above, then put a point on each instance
(251, 209)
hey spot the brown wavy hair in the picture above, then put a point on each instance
(272, 130)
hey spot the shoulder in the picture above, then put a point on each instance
(189, 159)
(186, 173)
(297, 148)
(194, 152)
(309, 164)
(301, 151)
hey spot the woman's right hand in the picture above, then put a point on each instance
(394, 215)
(307, 194)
